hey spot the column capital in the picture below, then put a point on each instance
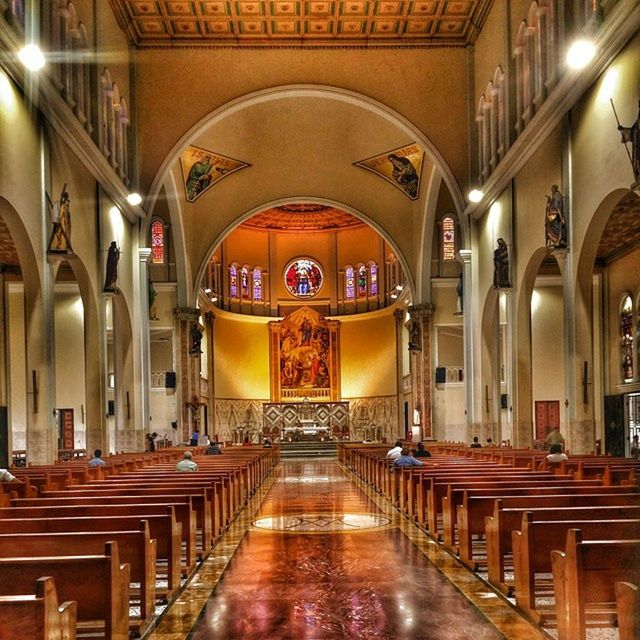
(465, 255)
(187, 313)
(144, 253)
(421, 310)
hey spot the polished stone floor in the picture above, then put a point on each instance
(317, 557)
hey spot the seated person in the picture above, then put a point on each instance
(554, 437)
(475, 444)
(213, 449)
(5, 476)
(407, 460)
(266, 443)
(195, 436)
(187, 463)
(395, 451)
(555, 454)
(97, 460)
(421, 452)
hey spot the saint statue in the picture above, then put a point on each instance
(153, 296)
(555, 224)
(60, 240)
(111, 277)
(196, 340)
(632, 134)
(414, 336)
(460, 295)
(501, 277)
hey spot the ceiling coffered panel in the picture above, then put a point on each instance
(152, 23)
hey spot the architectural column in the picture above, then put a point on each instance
(420, 341)
(399, 314)
(144, 253)
(209, 319)
(188, 374)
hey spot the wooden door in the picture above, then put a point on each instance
(547, 417)
(67, 434)
(614, 431)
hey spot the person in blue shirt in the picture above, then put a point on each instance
(407, 460)
(97, 460)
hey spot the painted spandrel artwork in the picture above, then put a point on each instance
(303, 278)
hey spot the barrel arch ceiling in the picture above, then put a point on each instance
(153, 23)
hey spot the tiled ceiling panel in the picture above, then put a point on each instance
(158, 23)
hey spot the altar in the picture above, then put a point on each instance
(313, 420)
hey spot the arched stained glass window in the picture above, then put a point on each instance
(362, 281)
(448, 239)
(157, 242)
(626, 331)
(349, 283)
(244, 283)
(233, 281)
(373, 279)
(257, 284)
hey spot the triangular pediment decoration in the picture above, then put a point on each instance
(401, 167)
(201, 169)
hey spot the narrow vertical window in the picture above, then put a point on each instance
(244, 283)
(626, 330)
(362, 281)
(257, 284)
(157, 242)
(233, 281)
(373, 279)
(349, 283)
(448, 239)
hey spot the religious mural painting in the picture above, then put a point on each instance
(304, 352)
(60, 239)
(401, 167)
(201, 169)
(303, 277)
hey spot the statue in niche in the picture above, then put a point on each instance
(501, 279)
(555, 226)
(196, 339)
(111, 276)
(60, 240)
(631, 134)
(460, 295)
(153, 297)
(414, 336)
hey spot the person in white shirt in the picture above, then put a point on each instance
(396, 451)
(187, 464)
(555, 454)
(5, 476)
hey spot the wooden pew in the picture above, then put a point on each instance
(628, 610)
(477, 505)
(38, 616)
(163, 528)
(98, 583)
(532, 547)
(136, 548)
(584, 577)
(183, 513)
(500, 525)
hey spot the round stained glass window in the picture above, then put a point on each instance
(303, 278)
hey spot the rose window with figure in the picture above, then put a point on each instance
(303, 278)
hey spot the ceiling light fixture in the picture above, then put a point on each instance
(580, 54)
(475, 195)
(134, 199)
(32, 57)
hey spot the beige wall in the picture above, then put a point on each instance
(17, 369)
(489, 49)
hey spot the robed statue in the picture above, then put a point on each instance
(555, 226)
(631, 134)
(414, 336)
(501, 277)
(60, 240)
(111, 276)
(460, 295)
(196, 339)
(153, 297)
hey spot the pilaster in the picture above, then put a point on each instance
(420, 360)
(188, 374)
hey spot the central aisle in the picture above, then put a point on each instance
(321, 561)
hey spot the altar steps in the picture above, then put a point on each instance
(308, 449)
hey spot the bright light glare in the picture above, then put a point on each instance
(475, 195)
(609, 84)
(32, 57)
(580, 54)
(134, 199)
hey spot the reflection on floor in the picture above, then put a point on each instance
(324, 559)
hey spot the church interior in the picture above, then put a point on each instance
(295, 233)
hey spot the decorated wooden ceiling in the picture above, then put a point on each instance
(305, 217)
(622, 232)
(153, 23)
